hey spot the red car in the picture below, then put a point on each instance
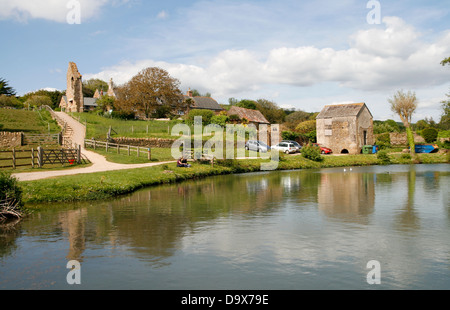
(323, 150)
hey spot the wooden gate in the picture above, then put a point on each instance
(62, 156)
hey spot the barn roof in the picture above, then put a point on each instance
(342, 110)
(253, 116)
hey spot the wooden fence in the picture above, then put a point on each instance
(41, 157)
(108, 146)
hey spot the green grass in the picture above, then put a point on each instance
(104, 185)
(31, 122)
(98, 126)
(157, 155)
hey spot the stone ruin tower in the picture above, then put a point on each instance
(74, 92)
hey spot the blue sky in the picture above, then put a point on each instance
(300, 54)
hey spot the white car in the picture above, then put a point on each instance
(286, 147)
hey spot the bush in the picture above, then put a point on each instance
(383, 157)
(10, 197)
(220, 120)
(206, 115)
(429, 134)
(289, 135)
(122, 115)
(383, 141)
(312, 153)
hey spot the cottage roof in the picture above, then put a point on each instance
(206, 103)
(86, 100)
(342, 110)
(253, 116)
(90, 101)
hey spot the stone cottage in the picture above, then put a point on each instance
(200, 103)
(345, 128)
(254, 117)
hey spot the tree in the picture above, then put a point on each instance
(271, 111)
(293, 119)
(446, 61)
(405, 104)
(54, 95)
(196, 93)
(430, 134)
(307, 131)
(105, 103)
(90, 86)
(445, 117)
(149, 89)
(247, 104)
(5, 89)
(38, 101)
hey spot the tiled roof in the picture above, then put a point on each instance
(341, 110)
(205, 103)
(253, 116)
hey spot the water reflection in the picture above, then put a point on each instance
(254, 219)
(348, 196)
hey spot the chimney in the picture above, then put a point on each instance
(189, 93)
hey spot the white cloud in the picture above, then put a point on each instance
(379, 60)
(53, 10)
(162, 15)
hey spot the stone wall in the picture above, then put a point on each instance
(9, 140)
(400, 139)
(145, 142)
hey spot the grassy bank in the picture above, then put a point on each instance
(105, 185)
(31, 122)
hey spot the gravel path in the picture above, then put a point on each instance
(99, 162)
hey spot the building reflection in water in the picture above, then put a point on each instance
(347, 196)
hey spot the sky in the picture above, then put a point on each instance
(301, 55)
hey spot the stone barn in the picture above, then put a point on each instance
(345, 128)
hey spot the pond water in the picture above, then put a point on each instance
(284, 230)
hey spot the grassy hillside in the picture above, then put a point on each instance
(98, 126)
(32, 122)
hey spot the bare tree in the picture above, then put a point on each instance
(405, 104)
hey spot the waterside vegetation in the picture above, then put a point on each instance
(104, 185)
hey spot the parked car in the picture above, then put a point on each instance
(323, 149)
(285, 147)
(296, 144)
(258, 146)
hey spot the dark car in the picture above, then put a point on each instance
(323, 149)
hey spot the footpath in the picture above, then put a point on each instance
(99, 162)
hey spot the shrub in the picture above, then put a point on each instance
(406, 156)
(289, 135)
(383, 141)
(429, 134)
(220, 120)
(10, 197)
(206, 115)
(383, 157)
(312, 153)
(122, 115)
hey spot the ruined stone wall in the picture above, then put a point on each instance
(400, 139)
(10, 140)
